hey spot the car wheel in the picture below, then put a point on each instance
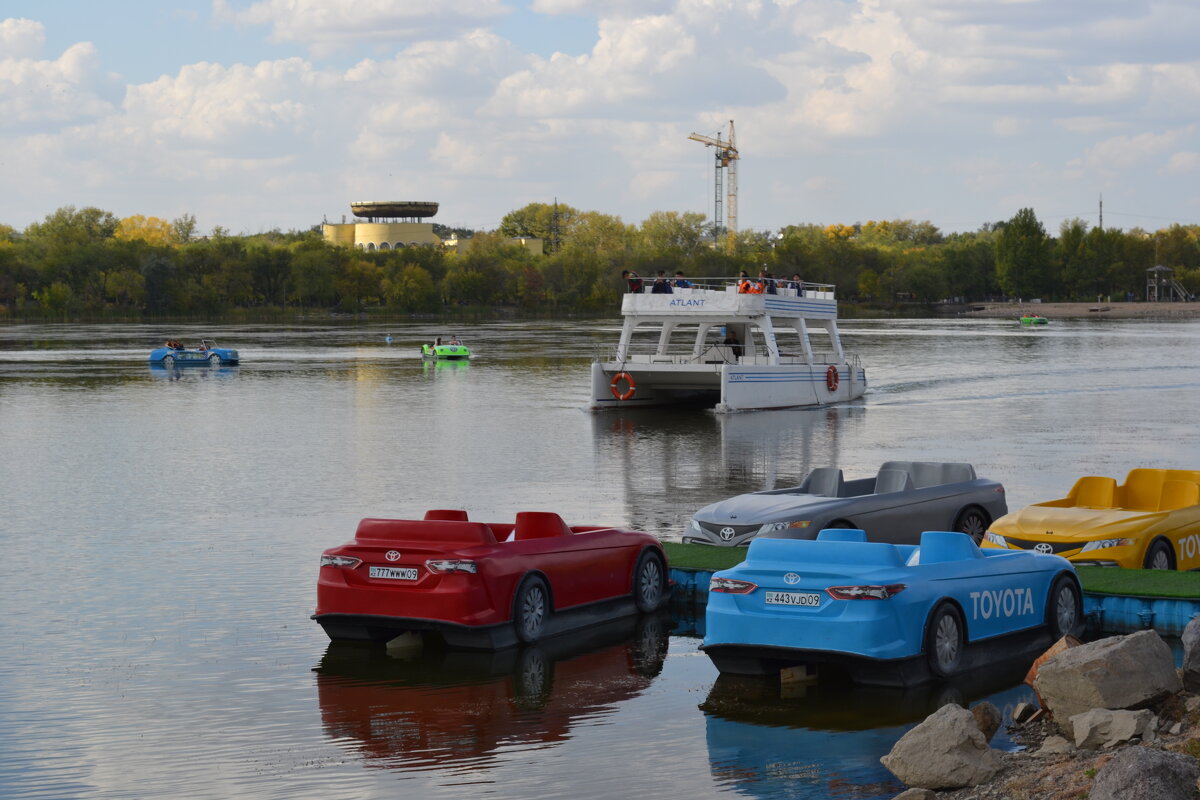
(168, 361)
(532, 608)
(945, 639)
(648, 582)
(973, 522)
(1159, 556)
(214, 360)
(1064, 610)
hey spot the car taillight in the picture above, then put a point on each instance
(451, 565)
(349, 562)
(865, 592)
(730, 586)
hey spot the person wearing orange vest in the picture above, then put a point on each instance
(745, 285)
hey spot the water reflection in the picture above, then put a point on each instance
(433, 367)
(674, 461)
(771, 740)
(201, 373)
(440, 708)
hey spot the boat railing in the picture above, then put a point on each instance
(742, 285)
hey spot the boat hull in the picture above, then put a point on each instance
(726, 387)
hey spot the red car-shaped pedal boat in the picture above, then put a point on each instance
(485, 586)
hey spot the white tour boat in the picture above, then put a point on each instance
(711, 344)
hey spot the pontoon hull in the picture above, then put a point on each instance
(727, 387)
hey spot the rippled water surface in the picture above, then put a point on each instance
(161, 531)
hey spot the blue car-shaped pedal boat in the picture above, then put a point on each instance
(173, 354)
(886, 614)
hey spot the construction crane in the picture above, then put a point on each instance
(726, 159)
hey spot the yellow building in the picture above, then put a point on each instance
(387, 225)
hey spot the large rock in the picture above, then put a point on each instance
(1191, 655)
(946, 751)
(1119, 672)
(1101, 727)
(1144, 773)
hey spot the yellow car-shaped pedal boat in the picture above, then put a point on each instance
(1150, 521)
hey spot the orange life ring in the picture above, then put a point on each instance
(832, 378)
(628, 393)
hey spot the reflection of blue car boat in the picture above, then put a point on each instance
(173, 353)
(883, 613)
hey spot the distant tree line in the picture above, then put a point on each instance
(86, 262)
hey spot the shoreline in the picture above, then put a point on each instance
(1104, 310)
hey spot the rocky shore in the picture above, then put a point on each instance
(1117, 722)
(1100, 310)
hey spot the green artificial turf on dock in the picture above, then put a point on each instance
(1102, 580)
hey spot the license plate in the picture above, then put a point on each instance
(807, 599)
(395, 573)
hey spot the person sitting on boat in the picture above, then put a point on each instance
(633, 281)
(796, 283)
(680, 281)
(745, 285)
(455, 341)
(202, 346)
(661, 284)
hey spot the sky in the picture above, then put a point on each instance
(261, 114)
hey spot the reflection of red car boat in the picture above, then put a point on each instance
(446, 707)
(485, 586)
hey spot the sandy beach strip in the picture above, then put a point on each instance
(1051, 311)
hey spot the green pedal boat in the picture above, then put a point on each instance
(454, 350)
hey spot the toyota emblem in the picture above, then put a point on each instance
(392, 555)
(1043, 547)
(727, 534)
(791, 579)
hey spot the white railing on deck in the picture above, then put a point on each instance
(783, 287)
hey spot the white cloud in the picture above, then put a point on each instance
(36, 94)
(1183, 163)
(21, 38)
(327, 25)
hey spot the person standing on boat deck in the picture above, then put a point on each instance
(745, 285)
(680, 281)
(766, 284)
(661, 284)
(796, 283)
(633, 281)
(731, 341)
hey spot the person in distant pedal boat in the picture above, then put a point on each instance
(680, 281)
(202, 346)
(661, 284)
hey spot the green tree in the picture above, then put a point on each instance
(1023, 256)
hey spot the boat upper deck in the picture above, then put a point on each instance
(720, 298)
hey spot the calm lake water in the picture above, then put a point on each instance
(161, 532)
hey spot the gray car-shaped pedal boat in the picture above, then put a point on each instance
(903, 499)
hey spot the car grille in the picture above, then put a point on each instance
(738, 530)
(1055, 547)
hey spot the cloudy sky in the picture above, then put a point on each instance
(257, 114)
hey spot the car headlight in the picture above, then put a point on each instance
(696, 525)
(1104, 544)
(782, 526)
(995, 539)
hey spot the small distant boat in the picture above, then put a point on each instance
(453, 350)
(173, 353)
(1034, 319)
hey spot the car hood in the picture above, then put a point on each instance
(747, 509)
(1050, 522)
